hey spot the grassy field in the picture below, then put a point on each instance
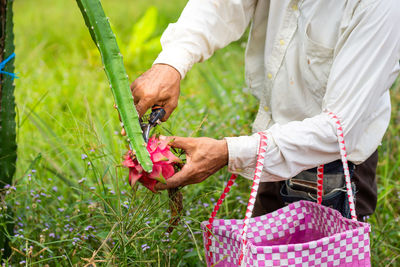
(71, 201)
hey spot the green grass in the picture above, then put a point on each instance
(68, 130)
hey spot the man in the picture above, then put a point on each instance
(304, 58)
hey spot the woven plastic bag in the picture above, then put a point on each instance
(301, 234)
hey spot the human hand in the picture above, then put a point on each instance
(204, 157)
(159, 86)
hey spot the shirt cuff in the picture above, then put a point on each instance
(176, 57)
(243, 152)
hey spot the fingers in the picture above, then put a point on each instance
(144, 103)
(181, 178)
(141, 98)
(169, 108)
(160, 85)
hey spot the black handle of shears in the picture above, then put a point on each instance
(156, 115)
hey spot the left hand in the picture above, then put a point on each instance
(204, 157)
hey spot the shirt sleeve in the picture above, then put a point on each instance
(361, 74)
(203, 27)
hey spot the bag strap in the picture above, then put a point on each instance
(214, 213)
(256, 181)
(343, 154)
(262, 150)
(320, 183)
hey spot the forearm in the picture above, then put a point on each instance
(291, 148)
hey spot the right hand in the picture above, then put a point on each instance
(159, 86)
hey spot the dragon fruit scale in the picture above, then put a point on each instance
(163, 164)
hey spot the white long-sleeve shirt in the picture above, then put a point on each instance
(303, 58)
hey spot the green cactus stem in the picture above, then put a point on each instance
(104, 38)
(8, 144)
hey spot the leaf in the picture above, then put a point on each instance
(143, 30)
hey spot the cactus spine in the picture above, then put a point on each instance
(8, 144)
(104, 38)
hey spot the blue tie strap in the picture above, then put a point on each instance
(3, 64)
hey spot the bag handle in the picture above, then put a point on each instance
(254, 188)
(262, 150)
(343, 154)
(214, 213)
(256, 181)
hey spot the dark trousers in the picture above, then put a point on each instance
(364, 177)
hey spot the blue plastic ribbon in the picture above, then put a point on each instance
(3, 64)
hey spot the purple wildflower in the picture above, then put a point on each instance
(87, 228)
(145, 247)
(84, 156)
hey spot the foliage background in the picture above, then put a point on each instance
(70, 197)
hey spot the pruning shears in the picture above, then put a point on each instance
(156, 115)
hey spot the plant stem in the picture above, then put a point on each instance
(8, 143)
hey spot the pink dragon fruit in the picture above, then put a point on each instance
(163, 164)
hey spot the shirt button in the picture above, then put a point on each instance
(281, 42)
(294, 7)
(269, 76)
(266, 108)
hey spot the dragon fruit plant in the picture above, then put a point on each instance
(139, 160)
(163, 164)
(104, 38)
(8, 143)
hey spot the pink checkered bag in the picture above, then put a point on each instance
(301, 234)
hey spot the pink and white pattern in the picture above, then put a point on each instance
(300, 234)
(320, 183)
(256, 182)
(343, 154)
(214, 213)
